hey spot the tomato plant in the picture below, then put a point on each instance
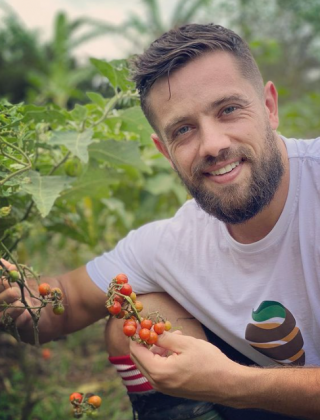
(129, 309)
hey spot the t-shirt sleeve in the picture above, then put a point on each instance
(135, 256)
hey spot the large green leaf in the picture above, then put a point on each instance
(118, 153)
(45, 190)
(116, 72)
(134, 121)
(74, 141)
(163, 183)
(94, 183)
(41, 113)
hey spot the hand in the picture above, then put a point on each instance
(195, 369)
(10, 294)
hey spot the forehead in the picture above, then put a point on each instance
(203, 80)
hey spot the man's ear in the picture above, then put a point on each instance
(271, 103)
(160, 145)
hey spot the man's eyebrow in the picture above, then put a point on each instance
(226, 99)
(214, 105)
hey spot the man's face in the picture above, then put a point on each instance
(217, 133)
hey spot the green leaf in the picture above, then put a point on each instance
(106, 69)
(134, 121)
(97, 99)
(79, 113)
(163, 183)
(116, 72)
(74, 141)
(40, 113)
(93, 183)
(118, 153)
(45, 190)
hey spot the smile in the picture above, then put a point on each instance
(225, 169)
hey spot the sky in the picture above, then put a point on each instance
(39, 14)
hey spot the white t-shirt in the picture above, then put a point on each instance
(261, 298)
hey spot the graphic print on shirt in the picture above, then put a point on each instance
(274, 333)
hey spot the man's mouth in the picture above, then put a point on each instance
(225, 169)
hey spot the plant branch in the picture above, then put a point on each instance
(20, 171)
(66, 157)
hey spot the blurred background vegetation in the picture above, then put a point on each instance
(285, 38)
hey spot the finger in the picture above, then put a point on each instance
(142, 357)
(8, 265)
(161, 351)
(9, 296)
(15, 310)
(174, 342)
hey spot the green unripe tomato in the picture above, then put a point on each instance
(92, 414)
(58, 309)
(14, 276)
(73, 167)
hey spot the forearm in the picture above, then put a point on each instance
(83, 301)
(286, 390)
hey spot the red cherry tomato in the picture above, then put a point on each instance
(146, 323)
(129, 330)
(159, 327)
(114, 309)
(123, 313)
(153, 337)
(76, 396)
(121, 278)
(126, 289)
(118, 298)
(46, 353)
(44, 289)
(144, 334)
(95, 400)
(130, 322)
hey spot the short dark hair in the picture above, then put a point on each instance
(177, 47)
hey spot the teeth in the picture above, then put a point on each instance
(225, 169)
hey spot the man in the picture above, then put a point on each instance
(243, 258)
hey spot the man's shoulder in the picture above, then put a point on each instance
(303, 148)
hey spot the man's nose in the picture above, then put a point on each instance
(213, 140)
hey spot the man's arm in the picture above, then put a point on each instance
(84, 304)
(198, 370)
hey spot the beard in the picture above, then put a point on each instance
(235, 204)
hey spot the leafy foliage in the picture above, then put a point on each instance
(67, 166)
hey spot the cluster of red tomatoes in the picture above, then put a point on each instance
(53, 295)
(87, 404)
(122, 303)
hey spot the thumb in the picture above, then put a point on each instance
(174, 342)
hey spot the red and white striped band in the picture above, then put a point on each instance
(132, 378)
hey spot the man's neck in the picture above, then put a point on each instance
(262, 224)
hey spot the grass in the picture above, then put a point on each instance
(35, 388)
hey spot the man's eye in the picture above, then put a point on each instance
(229, 110)
(182, 130)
